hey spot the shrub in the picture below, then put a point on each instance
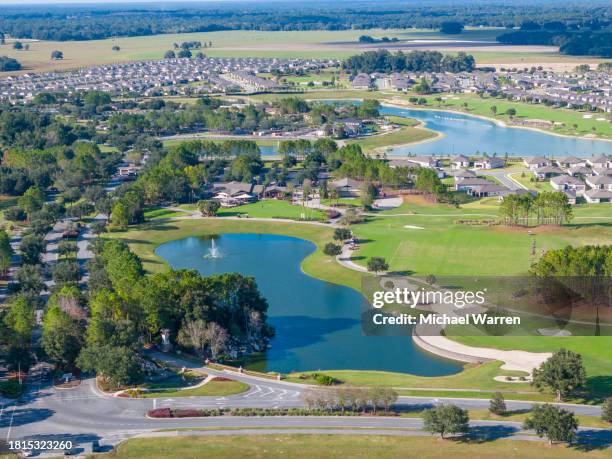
(324, 380)
(497, 405)
(221, 378)
(606, 410)
(187, 413)
(160, 413)
(10, 388)
(332, 249)
(333, 214)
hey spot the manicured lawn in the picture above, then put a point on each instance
(340, 446)
(152, 213)
(474, 376)
(543, 185)
(592, 349)
(270, 208)
(212, 388)
(404, 135)
(444, 247)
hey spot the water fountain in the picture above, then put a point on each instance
(213, 252)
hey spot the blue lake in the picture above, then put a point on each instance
(317, 323)
(469, 135)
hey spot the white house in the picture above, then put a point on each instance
(534, 162)
(460, 162)
(547, 172)
(489, 163)
(571, 161)
(567, 182)
(579, 170)
(603, 162)
(424, 161)
(597, 196)
(599, 182)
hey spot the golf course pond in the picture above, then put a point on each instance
(317, 323)
(465, 134)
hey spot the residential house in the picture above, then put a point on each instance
(362, 81)
(571, 161)
(467, 183)
(460, 162)
(489, 163)
(579, 170)
(596, 196)
(599, 182)
(600, 162)
(430, 162)
(347, 187)
(568, 182)
(488, 189)
(534, 162)
(464, 174)
(545, 172)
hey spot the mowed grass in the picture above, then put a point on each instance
(212, 388)
(474, 376)
(340, 446)
(527, 182)
(592, 348)
(405, 135)
(270, 208)
(444, 247)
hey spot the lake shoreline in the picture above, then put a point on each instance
(500, 123)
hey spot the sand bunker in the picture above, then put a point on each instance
(413, 227)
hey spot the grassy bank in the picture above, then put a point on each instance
(340, 446)
(405, 135)
(212, 388)
(473, 376)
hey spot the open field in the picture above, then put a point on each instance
(339, 446)
(291, 44)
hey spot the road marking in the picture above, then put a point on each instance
(8, 434)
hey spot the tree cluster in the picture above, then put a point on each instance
(413, 61)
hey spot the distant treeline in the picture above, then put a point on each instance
(86, 22)
(591, 42)
(414, 61)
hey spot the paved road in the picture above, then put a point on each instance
(504, 178)
(84, 414)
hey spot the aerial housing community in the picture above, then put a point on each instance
(191, 235)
